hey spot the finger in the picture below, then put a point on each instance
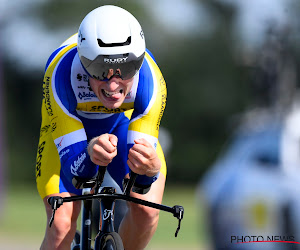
(100, 153)
(113, 139)
(101, 162)
(96, 160)
(139, 157)
(105, 143)
(143, 141)
(99, 150)
(146, 151)
(133, 165)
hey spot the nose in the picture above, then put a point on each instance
(113, 83)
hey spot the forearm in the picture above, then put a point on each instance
(78, 164)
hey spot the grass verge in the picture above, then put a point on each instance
(22, 214)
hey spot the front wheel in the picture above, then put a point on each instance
(76, 241)
(109, 241)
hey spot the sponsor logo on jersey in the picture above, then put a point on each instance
(163, 105)
(47, 129)
(46, 93)
(106, 110)
(86, 95)
(59, 145)
(77, 163)
(81, 77)
(64, 153)
(39, 159)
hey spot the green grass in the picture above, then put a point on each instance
(23, 215)
(188, 236)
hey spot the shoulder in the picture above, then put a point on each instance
(151, 83)
(150, 71)
(150, 75)
(57, 77)
(150, 54)
(68, 47)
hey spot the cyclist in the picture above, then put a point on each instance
(103, 99)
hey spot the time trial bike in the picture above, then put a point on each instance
(107, 238)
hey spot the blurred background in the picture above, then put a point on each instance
(230, 129)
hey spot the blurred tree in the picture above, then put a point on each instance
(3, 144)
(207, 84)
(205, 87)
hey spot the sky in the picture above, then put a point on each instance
(181, 16)
(23, 37)
(255, 14)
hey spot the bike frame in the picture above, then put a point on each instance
(86, 222)
(107, 197)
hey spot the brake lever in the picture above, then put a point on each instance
(178, 213)
(55, 202)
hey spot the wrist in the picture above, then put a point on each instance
(90, 145)
(154, 171)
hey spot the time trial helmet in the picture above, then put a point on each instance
(111, 42)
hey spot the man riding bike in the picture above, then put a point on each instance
(103, 99)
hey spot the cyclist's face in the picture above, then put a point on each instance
(111, 93)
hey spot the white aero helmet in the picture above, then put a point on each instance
(111, 42)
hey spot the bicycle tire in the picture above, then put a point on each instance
(76, 241)
(110, 241)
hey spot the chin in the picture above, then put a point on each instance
(113, 105)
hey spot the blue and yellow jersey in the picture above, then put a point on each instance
(72, 114)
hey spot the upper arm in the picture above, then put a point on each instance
(149, 104)
(59, 98)
(60, 104)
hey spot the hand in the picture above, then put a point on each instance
(103, 149)
(143, 159)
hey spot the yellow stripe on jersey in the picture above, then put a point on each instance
(48, 162)
(99, 107)
(159, 150)
(128, 113)
(148, 123)
(67, 122)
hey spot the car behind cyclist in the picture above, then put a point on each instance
(103, 99)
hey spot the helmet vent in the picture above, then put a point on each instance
(102, 44)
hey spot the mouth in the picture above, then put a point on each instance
(114, 94)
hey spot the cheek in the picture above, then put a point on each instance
(94, 87)
(95, 84)
(128, 85)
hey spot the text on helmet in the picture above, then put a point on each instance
(116, 60)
